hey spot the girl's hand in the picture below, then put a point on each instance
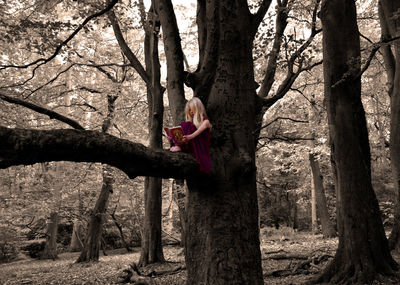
(187, 138)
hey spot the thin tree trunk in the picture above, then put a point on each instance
(76, 241)
(179, 194)
(363, 251)
(91, 247)
(50, 249)
(121, 233)
(390, 29)
(327, 228)
(151, 249)
(314, 223)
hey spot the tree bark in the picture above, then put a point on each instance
(95, 226)
(121, 233)
(390, 28)
(25, 146)
(327, 228)
(363, 251)
(222, 212)
(76, 242)
(179, 194)
(91, 246)
(151, 247)
(50, 249)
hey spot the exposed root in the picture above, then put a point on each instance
(145, 275)
(350, 274)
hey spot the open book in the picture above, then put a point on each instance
(175, 133)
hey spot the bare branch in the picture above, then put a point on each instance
(375, 47)
(281, 23)
(42, 110)
(281, 118)
(42, 61)
(286, 139)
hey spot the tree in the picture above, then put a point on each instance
(91, 248)
(151, 240)
(362, 240)
(318, 190)
(222, 214)
(50, 249)
(151, 250)
(389, 19)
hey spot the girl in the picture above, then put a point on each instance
(196, 132)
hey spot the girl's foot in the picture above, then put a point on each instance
(175, 148)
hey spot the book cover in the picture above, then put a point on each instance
(176, 133)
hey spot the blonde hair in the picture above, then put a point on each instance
(199, 112)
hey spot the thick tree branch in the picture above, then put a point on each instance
(42, 61)
(174, 55)
(281, 23)
(201, 80)
(287, 84)
(259, 15)
(201, 22)
(291, 75)
(306, 44)
(126, 50)
(26, 147)
(42, 110)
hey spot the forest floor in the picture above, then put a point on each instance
(287, 258)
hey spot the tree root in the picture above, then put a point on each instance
(145, 277)
(352, 274)
(303, 267)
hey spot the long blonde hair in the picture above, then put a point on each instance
(199, 112)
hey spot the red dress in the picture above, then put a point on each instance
(199, 147)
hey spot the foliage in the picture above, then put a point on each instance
(34, 248)
(8, 246)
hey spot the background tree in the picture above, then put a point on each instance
(90, 251)
(389, 20)
(362, 240)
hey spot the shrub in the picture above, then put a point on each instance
(34, 248)
(8, 251)
(8, 247)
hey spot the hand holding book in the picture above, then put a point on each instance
(175, 134)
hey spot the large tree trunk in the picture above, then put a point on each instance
(327, 228)
(363, 250)
(222, 236)
(151, 250)
(91, 247)
(390, 29)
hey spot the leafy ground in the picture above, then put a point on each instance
(283, 254)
